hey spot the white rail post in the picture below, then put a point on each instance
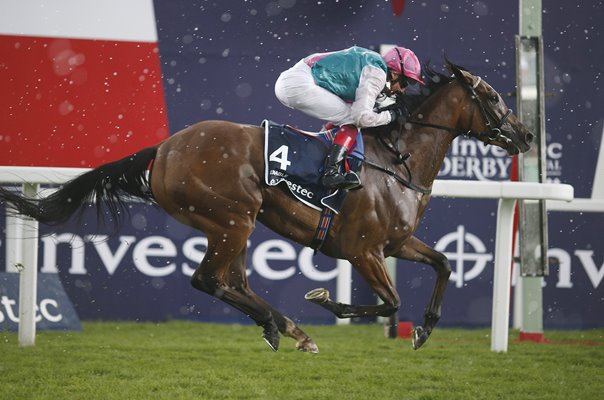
(343, 287)
(28, 281)
(13, 242)
(502, 275)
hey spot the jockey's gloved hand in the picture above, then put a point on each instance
(397, 114)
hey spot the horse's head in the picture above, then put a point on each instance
(496, 124)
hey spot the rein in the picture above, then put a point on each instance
(457, 131)
(392, 173)
(400, 159)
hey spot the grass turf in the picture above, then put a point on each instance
(187, 360)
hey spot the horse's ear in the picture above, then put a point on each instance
(448, 63)
(460, 73)
(454, 69)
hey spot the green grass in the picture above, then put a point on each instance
(186, 360)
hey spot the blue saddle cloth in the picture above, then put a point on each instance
(295, 158)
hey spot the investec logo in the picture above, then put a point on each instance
(468, 257)
(469, 158)
(466, 265)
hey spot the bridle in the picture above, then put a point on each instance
(495, 130)
(492, 122)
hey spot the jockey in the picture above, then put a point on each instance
(341, 88)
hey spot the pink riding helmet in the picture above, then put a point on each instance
(398, 57)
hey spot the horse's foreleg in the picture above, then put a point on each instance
(373, 269)
(415, 250)
(321, 297)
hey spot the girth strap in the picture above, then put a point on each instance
(322, 228)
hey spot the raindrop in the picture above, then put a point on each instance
(272, 9)
(65, 107)
(206, 104)
(480, 8)
(139, 222)
(243, 90)
(158, 283)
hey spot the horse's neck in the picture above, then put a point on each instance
(428, 146)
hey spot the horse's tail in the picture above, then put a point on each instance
(110, 184)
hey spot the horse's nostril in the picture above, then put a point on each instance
(529, 137)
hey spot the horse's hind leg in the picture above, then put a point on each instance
(222, 274)
(415, 250)
(228, 282)
(288, 328)
(285, 325)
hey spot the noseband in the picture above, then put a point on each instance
(495, 131)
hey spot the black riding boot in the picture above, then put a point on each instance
(331, 177)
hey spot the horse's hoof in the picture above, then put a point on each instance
(318, 296)
(272, 342)
(271, 336)
(308, 346)
(419, 337)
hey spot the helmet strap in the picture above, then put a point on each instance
(402, 79)
(400, 60)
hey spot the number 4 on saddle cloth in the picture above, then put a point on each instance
(296, 158)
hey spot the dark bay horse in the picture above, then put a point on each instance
(210, 176)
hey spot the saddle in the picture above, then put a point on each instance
(295, 158)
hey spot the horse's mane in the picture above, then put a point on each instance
(434, 80)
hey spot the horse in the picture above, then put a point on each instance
(209, 176)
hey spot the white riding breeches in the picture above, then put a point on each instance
(296, 88)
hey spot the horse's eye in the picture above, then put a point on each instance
(493, 97)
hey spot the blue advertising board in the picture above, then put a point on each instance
(142, 273)
(54, 310)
